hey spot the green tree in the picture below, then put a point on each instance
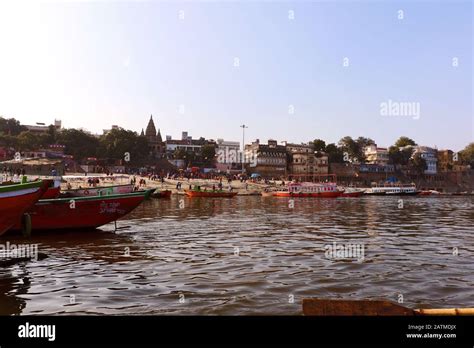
(52, 134)
(362, 143)
(335, 154)
(8, 140)
(418, 163)
(11, 126)
(405, 155)
(319, 145)
(179, 153)
(467, 155)
(29, 141)
(394, 155)
(399, 156)
(78, 143)
(208, 153)
(122, 144)
(352, 148)
(404, 141)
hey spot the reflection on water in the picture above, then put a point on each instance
(250, 255)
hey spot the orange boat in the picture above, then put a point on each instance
(309, 189)
(199, 193)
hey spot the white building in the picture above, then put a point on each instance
(228, 155)
(40, 127)
(430, 156)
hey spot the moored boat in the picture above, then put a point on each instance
(349, 192)
(429, 193)
(53, 191)
(161, 194)
(399, 190)
(16, 199)
(309, 189)
(82, 212)
(200, 193)
(267, 193)
(99, 191)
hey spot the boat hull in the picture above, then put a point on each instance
(352, 194)
(329, 194)
(414, 193)
(51, 193)
(162, 194)
(14, 203)
(210, 194)
(82, 212)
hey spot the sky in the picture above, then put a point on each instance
(292, 71)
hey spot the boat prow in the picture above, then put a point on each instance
(16, 199)
(82, 212)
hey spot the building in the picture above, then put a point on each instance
(304, 162)
(300, 159)
(445, 160)
(41, 128)
(156, 145)
(376, 155)
(430, 156)
(186, 143)
(448, 162)
(229, 157)
(270, 159)
(51, 151)
(105, 131)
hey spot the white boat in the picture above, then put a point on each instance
(392, 190)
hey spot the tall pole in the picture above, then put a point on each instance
(243, 145)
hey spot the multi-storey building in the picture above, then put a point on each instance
(42, 128)
(430, 156)
(304, 162)
(376, 155)
(270, 159)
(229, 157)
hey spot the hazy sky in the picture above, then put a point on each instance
(99, 63)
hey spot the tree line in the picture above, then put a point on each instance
(112, 145)
(400, 153)
(115, 143)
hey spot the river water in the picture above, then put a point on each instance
(251, 255)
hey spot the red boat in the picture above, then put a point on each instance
(99, 191)
(82, 212)
(54, 190)
(309, 189)
(16, 199)
(161, 194)
(199, 193)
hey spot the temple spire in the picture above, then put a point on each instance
(158, 136)
(150, 129)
